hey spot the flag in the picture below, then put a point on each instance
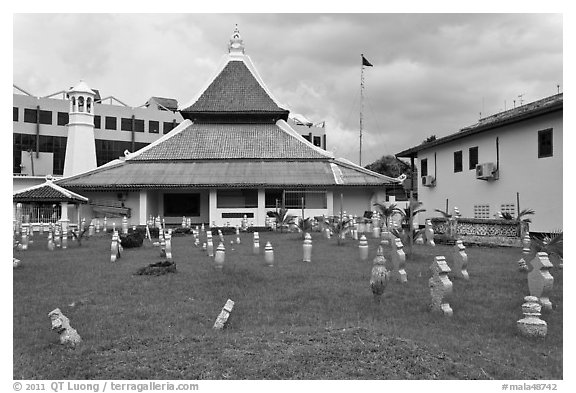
(366, 62)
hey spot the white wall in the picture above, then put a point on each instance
(538, 180)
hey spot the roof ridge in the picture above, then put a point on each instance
(175, 131)
(351, 165)
(284, 126)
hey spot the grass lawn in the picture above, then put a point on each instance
(292, 321)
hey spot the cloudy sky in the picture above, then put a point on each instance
(432, 74)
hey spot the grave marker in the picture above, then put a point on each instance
(363, 248)
(531, 325)
(124, 225)
(269, 254)
(50, 241)
(237, 235)
(114, 248)
(429, 233)
(540, 281)
(105, 225)
(209, 244)
(379, 275)
(97, 226)
(168, 246)
(307, 248)
(461, 260)
(256, 248)
(220, 256)
(224, 315)
(398, 272)
(522, 266)
(440, 286)
(61, 325)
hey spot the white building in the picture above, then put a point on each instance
(505, 163)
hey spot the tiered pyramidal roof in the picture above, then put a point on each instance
(235, 135)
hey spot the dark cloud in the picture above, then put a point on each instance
(432, 74)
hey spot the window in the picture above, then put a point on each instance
(318, 141)
(307, 137)
(273, 199)
(139, 125)
(545, 143)
(89, 105)
(169, 126)
(237, 198)
(424, 167)
(481, 211)
(97, 121)
(178, 205)
(14, 113)
(45, 117)
(473, 157)
(126, 124)
(62, 118)
(458, 161)
(110, 123)
(80, 104)
(30, 115)
(153, 127)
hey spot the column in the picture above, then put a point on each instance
(212, 208)
(329, 203)
(261, 214)
(143, 211)
(64, 216)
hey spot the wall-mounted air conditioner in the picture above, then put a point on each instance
(428, 181)
(486, 171)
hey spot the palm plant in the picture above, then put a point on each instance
(551, 244)
(304, 225)
(388, 212)
(409, 233)
(283, 218)
(340, 226)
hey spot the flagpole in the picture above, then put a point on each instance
(361, 102)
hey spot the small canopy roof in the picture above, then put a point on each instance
(47, 192)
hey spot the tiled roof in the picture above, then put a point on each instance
(230, 141)
(235, 89)
(233, 173)
(524, 112)
(47, 192)
(168, 103)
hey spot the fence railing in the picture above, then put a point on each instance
(44, 214)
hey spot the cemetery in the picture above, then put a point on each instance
(260, 303)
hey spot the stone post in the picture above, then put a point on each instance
(531, 325)
(269, 254)
(307, 248)
(224, 315)
(256, 248)
(440, 286)
(168, 246)
(461, 260)
(540, 281)
(379, 275)
(220, 256)
(363, 248)
(398, 273)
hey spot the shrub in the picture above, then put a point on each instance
(132, 240)
(157, 269)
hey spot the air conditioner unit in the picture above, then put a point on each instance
(428, 181)
(486, 171)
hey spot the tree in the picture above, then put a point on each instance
(390, 166)
(388, 211)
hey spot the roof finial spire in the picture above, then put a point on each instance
(236, 45)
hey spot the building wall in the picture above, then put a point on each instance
(537, 180)
(354, 200)
(109, 143)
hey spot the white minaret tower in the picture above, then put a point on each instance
(80, 146)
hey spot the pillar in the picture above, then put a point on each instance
(143, 210)
(329, 203)
(64, 216)
(212, 207)
(261, 215)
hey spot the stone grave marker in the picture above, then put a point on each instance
(440, 286)
(168, 246)
(105, 229)
(162, 244)
(83, 225)
(429, 233)
(327, 233)
(522, 266)
(363, 248)
(61, 325)
(224, 315)
(114, 248)
(220, 256)
(91, 229)
(379, 275)
(531, 325)
(540, 281)
(269, 254)
(398, 272)
(220, 235)
(57, 236)
(50, 241)
(460, 260)
(256, 248)
(124, 225)
(183, 221)
(237, 235)
(97, 226)
(24, 237)
(307, 248)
